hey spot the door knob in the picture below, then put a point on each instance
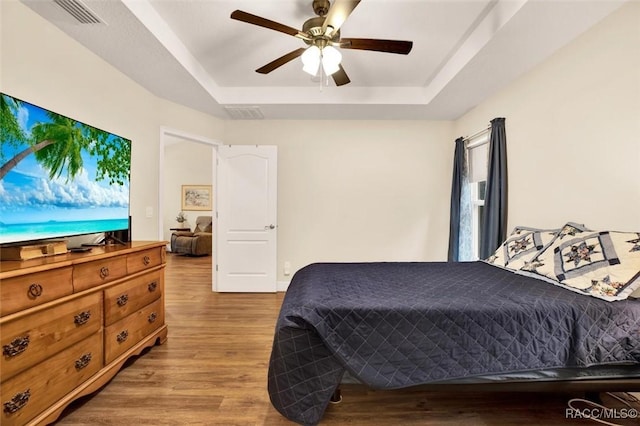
(272, 226)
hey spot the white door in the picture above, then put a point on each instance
(247, 191)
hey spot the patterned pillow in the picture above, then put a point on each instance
(521, 246)
(602, 264)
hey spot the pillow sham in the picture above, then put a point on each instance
(521, 246)
(603, 264)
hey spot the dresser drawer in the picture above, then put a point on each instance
(128, 331)
(145, 259)
(26, 291)
(92, 274)
(126, 298)
(26, 395)
(33, 338)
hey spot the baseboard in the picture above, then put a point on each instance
(282, 285)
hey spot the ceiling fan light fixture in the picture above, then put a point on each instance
(331, 58)
(321, 33)
(311, 60)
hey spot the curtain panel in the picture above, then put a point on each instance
(494, 224)
(459, 169)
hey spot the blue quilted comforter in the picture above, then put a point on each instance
(394, 325)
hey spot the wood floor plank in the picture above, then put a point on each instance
(213, 371)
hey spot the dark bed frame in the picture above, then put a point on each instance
(591, 387)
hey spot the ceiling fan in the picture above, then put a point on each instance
(322, 36)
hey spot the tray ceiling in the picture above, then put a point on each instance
(192, 53)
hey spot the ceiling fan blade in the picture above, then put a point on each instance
(338, 13)
(389, 46)
(266, 69)
(239, 15)
(340, 77)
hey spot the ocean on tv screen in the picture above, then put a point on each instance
(53, 229)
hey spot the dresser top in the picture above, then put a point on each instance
(10, 268)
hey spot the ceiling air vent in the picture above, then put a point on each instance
(79, 11)
(244, 113)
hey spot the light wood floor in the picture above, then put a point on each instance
(213, 368)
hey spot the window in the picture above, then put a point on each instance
(478, 191)
(478, 153)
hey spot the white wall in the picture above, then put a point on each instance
(363, 190)
(573, 131)
(44, 66)
(357, 190)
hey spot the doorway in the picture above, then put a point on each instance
(185, 159)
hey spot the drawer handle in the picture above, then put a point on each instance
(122, 336)
(17, 346)
(146, 260)
(104, 272)
(83, 361)
(122, 300)
(152, 286)
(152, 318)
(35, 290)
(82, 318)
(18, 401)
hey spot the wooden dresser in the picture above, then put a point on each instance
(69, 322)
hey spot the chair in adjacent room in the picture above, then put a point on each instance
(196, 243)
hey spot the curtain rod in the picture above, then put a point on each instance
(475, 135)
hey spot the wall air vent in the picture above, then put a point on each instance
(244, 113)
(79, 11)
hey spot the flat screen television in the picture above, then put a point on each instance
(59, 177)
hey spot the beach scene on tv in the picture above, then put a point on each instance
(59, 177)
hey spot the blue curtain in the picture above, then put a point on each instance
(459, 172)
(494, 224)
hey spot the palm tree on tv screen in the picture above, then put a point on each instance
(58, 145)
(10, 130)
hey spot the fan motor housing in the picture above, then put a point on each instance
(313, 27)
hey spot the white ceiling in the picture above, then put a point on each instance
(191, 52)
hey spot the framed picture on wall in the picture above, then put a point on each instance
(196, 197)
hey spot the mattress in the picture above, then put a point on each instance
(395, 325)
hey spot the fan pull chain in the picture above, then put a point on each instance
(321, 71)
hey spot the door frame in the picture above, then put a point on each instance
(166, 134)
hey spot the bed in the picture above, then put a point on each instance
(393, 325)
